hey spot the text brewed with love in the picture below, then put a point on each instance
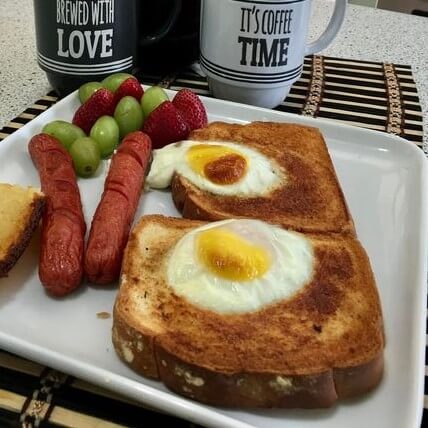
(77, 43)
(259, 46)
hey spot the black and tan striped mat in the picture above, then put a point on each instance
(367, 94)
(372, 95)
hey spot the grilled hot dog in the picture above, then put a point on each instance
(115, 212)
(63, 224)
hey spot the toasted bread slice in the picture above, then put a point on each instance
(20, 212)
(323, 343)
(309, 200)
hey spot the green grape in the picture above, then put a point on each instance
(128, 115)
(113, 81)
(64, 132)
(152, 98)
(105, 132)
(86, 156)
(87, 90)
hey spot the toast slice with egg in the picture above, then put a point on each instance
(310, 336)
(21, 209)
(277, 172)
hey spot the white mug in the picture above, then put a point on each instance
(252, 51)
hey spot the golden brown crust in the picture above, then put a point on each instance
(310, 200)
(248, 390)
(22, 240)
(325, 342)
(134, 348)
(352, 381)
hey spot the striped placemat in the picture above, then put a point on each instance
(367, 94)
(371, 95)
(32, 396)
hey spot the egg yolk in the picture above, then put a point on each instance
(219, 164)
(229, 256)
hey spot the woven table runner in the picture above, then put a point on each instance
(371, 95)
(366, 94)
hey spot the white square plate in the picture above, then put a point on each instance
(384, 179)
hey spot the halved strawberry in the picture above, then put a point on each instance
(129, 87)
(165, 125)
(191, 108)
(101, 103)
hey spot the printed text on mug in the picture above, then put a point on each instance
(83, 13)
(262, 51)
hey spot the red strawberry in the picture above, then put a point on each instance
(191, 108)
(165, 125)
(99, 104)
(129, 87)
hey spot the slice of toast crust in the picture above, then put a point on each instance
(311, 199)
(22, 240)
(323, 344)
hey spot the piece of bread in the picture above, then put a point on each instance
(20, 211)
(310, 199)
(323, 343)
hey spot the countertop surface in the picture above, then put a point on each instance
(367, 34)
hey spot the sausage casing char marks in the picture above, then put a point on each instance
(114, 215)
(63, 224)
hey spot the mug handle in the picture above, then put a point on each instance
(332, 29)
(165, 28)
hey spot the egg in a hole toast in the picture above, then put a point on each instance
(260, 317)
(273, 303)
(277, 172)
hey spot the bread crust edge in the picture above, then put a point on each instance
(18, 247)
(145, 356)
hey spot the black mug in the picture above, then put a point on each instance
(85, 40)
(178, 46)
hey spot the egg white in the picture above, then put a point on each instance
(263, 174)
(291, 269)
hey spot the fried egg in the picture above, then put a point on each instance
(219, 167)
(239, 265)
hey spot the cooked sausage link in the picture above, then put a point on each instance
(114, 215)
(63, 223)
